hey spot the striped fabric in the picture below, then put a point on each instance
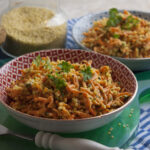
(69, 40)
(142, 140)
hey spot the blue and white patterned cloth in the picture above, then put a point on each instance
(142, 140)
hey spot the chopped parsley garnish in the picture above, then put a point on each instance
(116, 36)
(37, 60)
(47, 64)
(130, 22)
(60, 83)
(59, 75)
(65, 66)
(87, 74)
(114, 18)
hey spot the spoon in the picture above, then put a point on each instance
(56, 142)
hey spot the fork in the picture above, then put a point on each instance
(56, 142)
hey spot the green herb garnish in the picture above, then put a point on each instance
(114, 18)
(65, 66)
(37, 60)
(47, 64)
(116, 36)
(87, 74)
(60, 83)
(130, 22)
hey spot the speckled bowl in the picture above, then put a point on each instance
(11, 71)
(86, 22)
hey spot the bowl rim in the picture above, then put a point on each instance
(19, 113)
(101, 13)
(7, 53)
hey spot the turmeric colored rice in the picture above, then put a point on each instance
(120, 35)
(65, 90)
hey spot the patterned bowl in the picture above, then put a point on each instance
(11, 71)
(86, 22)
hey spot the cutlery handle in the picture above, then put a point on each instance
(55, 142)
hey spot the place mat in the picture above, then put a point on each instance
(142, 140)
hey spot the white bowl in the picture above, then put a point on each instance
(11, 71)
